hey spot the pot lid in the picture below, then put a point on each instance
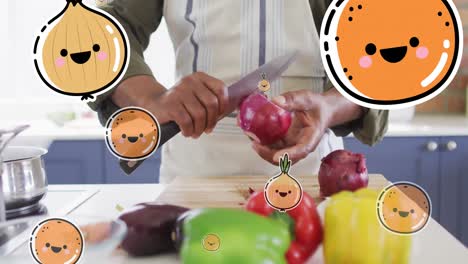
(14, 153)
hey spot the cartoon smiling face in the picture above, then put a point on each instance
(404, 208)
(283, 196)
(283, 192)
(264, 85)
(83, 52)
(391, 52)
(132, 133)
(56, 240)
(211, 242)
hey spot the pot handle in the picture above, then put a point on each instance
(15, 131)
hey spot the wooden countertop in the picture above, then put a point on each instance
(231, 191)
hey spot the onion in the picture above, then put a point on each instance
(342, 170)
(150, 227)
(262, 120)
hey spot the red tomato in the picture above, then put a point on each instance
(308, 231)
(306, 205)
(296, 254)
(257, 204)
(307, 225)
(308, 228)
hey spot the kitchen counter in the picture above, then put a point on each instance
(85, 129)
(433, 245)
(90, 129)
(430, 125)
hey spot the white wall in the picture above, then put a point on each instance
(20, 22)
(4, 44)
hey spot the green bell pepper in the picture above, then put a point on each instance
(353, 233)
(244, 237)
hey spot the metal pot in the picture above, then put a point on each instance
(24, 178)
(3, 142)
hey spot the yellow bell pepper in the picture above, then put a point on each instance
(353, 233)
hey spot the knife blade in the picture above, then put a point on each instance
(241, 89)
(249, 83)
(236, 92)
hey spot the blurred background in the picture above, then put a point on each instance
(427, 144)
(64, 125)
(454, 99)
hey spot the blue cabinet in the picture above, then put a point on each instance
(454, 186)
(440, 167)
(75, 162)
(404, 159)
(148, 172)
(90, 162)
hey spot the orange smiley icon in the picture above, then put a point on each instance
(82, 51)
(404, 208)
(283, 192)
(56, 240)
(132, 133)
(391, 54)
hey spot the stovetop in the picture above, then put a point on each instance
(32, 210)
(56, 203)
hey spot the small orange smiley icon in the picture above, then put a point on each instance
(56, 240)
(132, 133)
(404, 208)
(264, 84)
(211, 242)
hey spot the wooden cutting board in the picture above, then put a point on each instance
(231, 191)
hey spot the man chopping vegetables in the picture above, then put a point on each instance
(216, 43)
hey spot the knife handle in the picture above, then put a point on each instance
(168, 131)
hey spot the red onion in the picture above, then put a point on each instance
(342, 170)
(262, 120)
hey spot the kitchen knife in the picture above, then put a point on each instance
(241, 89)
(249, 83)
(236, 92)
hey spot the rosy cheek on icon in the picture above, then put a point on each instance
(121, 141)
(365, 62)
(102, 56)
(67, 251)
(60, 62)
(422, 52)
(44, 249)
(143, 140)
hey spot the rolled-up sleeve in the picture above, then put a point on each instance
(369, 128)
(140, 18)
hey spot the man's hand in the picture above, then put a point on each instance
(308, 125)
(195, 103)
(312, 114)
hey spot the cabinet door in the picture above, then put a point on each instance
(454, 186)
(148, 172)
(404, 159)
(75, 162)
